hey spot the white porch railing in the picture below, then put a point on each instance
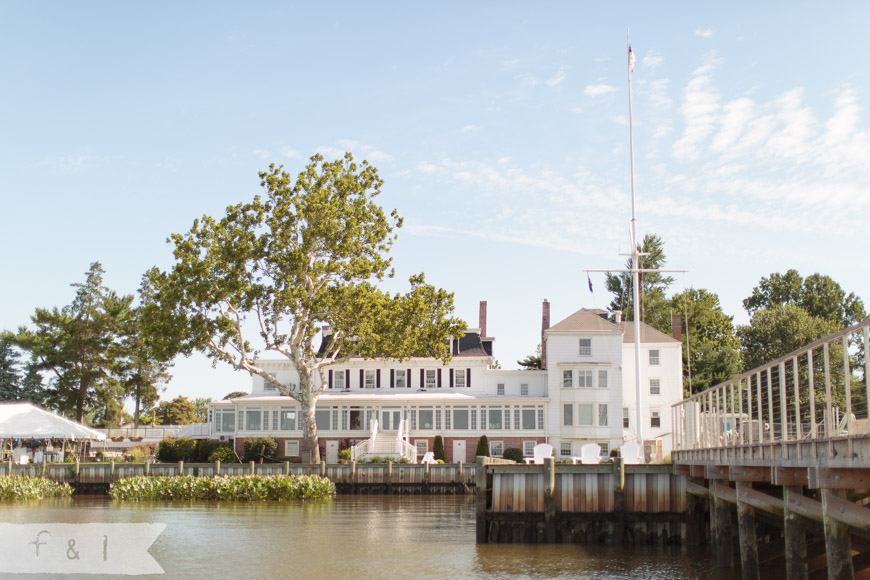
(384, 445)
(805, 395)
(403, 448)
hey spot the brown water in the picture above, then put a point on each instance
(353, 537)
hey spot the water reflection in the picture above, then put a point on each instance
(355, 537)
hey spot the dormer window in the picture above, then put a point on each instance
(585, 347)
(459, 377)
(268, 386)
(338, 380)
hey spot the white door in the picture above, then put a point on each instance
(459, 451)
(390, 419)
(332, 451)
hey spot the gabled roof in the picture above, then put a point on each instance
(647, 333)
(585, 320)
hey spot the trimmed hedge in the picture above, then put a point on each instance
(25, 487)
(482, 447)
(514, 454)
(232, 488)
(438, 448)
(253, 446)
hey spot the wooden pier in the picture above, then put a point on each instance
(777, 462)
(608, 503)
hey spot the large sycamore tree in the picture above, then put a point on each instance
(270, 273)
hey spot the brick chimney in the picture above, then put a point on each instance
(482, 322)
(677, 327)
(545, 324)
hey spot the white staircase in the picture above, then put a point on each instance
(382, 445)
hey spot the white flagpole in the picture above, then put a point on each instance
(635, 262)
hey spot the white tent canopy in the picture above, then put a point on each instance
(27, 421)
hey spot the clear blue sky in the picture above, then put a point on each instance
(500, 129)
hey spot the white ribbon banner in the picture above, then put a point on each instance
(79, 548)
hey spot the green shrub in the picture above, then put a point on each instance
(25, 487)
(254, 445)
(140, 453)
(514, 454)
(438, 448)
(232, 488)
(172, 450)
(482, 447)
(223, 453)
(344, 454)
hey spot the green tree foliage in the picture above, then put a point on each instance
(77, 346)
(777, 330)
(482, 447)
(258, 447)
(818, 295)
(236, 395)
(655, 309)
(532, 362)
(201, 404)
(438, 448)
(711, 351)
(179, 411)
(303, 256)
(10, 380)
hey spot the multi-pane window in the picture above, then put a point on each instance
(568, 378)
(430, 379)
(321, 419)
(507, 417)
(568, 414)
(602, 379)
(370, 379)
(338, 380)
(585, 378)
(438, 419)
(460, 418)
(275, 420)
(225, 421)
(605, 448)
(268, 385)
(426, 418)
(655, 419)
(401, 379)
(625, 417)
(653, 357)
(529, 418)
(524, 390)
(499, 389)
(473, 418)
(602, 415)
(495, 417)
(584, 414)
(540, 417)
(655, 387)
(496, 448)
(253, 419)
(565, 449)
(529, 448)
(459, 378)
(422, 446)
(585, 347)
(291, 449)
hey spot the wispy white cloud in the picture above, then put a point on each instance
(700, 107)
(290, 153)
(469, 128)
(67, 162)
(704, 32)
(598, 90)
(556, 79)
(651, 60)
(261, 153)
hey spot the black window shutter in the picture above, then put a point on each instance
(422, 379)
(408, 378)
(330, 378)
(347, 379)
(468, 378)
(362, 382)
(438, 374)
(451, 378)
(378, 378)
(392, 378)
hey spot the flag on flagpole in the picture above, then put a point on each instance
(588, 279)
(630, 59)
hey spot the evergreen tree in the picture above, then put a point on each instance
(438, 448)
(655, 309)
(482, 447)
(31, 386)
(9, 378)
(532, 362)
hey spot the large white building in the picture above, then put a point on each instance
(583, 394)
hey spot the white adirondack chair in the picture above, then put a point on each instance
(631, 453)
(590, 454)
(428, 457)
(540, 452)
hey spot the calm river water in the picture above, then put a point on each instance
(354, 537)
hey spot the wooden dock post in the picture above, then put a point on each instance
(746, 528)
(794, 535)
(479, 499)
(618, 534)
(217, 467)
(696, 531)
(549, 468)
(253, 468)
(838, 544)
(720, 525)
